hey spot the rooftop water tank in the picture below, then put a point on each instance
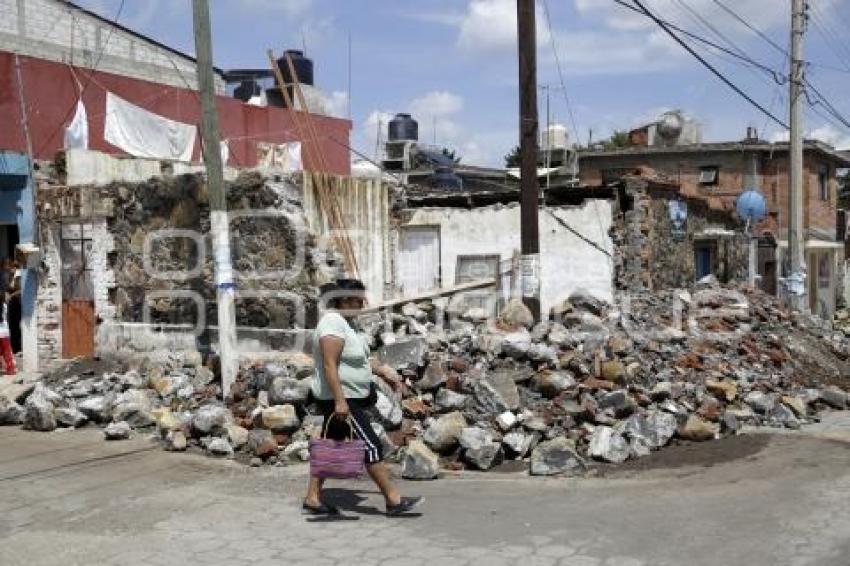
(555, 137)
(403, 128)
(303, 67)
(246, 90)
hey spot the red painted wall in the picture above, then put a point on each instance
(51, 92)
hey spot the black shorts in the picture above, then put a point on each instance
(361, 426)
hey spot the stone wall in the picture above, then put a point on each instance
(652, 254)
(152, 259)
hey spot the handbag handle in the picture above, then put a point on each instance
(328, 422)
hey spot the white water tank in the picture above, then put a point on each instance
(555, 137)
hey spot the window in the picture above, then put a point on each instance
(704, 254)
(708, 175)
(823, 182)
(75, 252)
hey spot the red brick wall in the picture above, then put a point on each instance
(684, 170)
(50, 92)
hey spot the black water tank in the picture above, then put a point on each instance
(246, 90)
(403, 128)
(303, 67)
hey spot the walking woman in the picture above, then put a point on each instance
(345, 391)
(5, 342)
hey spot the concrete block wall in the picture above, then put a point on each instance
(53, 30)
(49, 296)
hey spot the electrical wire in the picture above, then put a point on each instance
(558, 65)
(696, 16)
(829, 37)
(708, 65)
(778, 78)
(751, 27)
(92, 70)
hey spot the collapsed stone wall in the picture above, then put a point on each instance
(652, 254)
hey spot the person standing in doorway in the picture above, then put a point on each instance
(346, 393)
(5, 342)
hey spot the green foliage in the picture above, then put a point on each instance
(618, 140)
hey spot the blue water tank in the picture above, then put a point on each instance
(751, 205)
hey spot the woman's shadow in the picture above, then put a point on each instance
(351, 505)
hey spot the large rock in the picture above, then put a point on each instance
(39, 409)
(496, 393)
(480, 447)
(655, 429)
(175, 441)
(582, 300)
(448, 400)
(136, 415)
(281, 418)
(220, 448)
(556, 456)
(445, 432)
(117, 431)
(698, 430)
(210, 419)
(728, 390)
(518, 443)
(261, 443)
(97, 408)
(516, 315)
(542, 353)
(404, 354)
(237, 436)
(11, 413)
(761, 403)
(516, 344)
(166, 420)
(70, 417)
(433, 377)
(608, 445)
(619, 402)
(390, 411)
(784, 416)
(835, 398)
(551, 383)
(286, 390)
(613, 370)
(419, 462)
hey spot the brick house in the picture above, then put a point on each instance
(721, 172)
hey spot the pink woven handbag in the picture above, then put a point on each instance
(337, 459)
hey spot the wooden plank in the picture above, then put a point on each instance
(78, 329)
(436, 293)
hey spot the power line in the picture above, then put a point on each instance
(823, 101)
(560, 71)
(829, 38)
(707, 65)
(88, 81)
(752, 28)
(708, 25)
(779, 78)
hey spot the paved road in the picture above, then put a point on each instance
(69, 498)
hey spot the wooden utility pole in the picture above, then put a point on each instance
(796, 276)
(219, 225)
(528, 131)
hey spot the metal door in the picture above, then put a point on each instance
(78, 318)
(419, 259)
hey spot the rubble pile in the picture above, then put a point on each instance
(598, 383)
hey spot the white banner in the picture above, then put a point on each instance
(142, 133)
(77, 132)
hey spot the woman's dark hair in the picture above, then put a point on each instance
(337, 290)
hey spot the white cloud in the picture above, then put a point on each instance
(291, 8)
(825, 133)
(491, 25)
(437, 103)
(336, 103)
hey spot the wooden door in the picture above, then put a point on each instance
(419, 259)
(77, 328)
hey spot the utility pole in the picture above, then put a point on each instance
(796, 251)
(219, 225)
(529, 190)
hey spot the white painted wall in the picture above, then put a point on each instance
(567, 262)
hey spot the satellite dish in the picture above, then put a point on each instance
(751, 206)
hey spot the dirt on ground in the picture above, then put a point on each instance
(684, 454)
(82, 367)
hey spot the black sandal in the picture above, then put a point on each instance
(320, 509)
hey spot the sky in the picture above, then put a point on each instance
(453, 63)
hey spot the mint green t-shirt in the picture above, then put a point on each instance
(355, 373)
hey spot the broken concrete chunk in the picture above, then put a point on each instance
(210, 419)
(698, 430)
(445, 432)
(220, 448)
(608, 445)
(516, 315)
(70, 417)
(419, 462)
(117, 431)
(448, 400)
(11, 413)
(287, 390)
(407, 353)
(281, 418)
(554, 457)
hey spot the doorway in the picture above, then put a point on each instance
(418, 259)
(78, 315)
